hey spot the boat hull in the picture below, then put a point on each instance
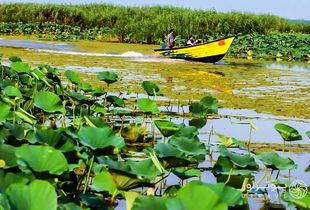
(210, 52)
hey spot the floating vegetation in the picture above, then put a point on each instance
(69, 145)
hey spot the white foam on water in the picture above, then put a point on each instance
(129, 54)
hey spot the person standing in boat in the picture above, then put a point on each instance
(170, 39)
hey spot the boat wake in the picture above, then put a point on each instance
(129, 54)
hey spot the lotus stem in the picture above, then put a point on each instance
(283, 148)
(229, 175)
(269, 178)
(263, 177)
(114, 195)
(88, 174)
(250, 138)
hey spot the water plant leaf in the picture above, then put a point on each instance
(11, 178)
(150, 203)
(38, 195)
(229, 141)
(151, 88)
(130, 198)
(5, 111)
(287, 132)
(7, 154)
(167, 128)
(241, 160)
(72, 76)
(190, 147)
(116, 101)
(104, 182)
(93, 201)
(49, 102)
(230, 195)
(273, 160)
(41, 159)
(307, 133)
(224, 166)
(12, 91)
(210, 103)
(20, 67)
(185, 173)
(99, 138)
(197, 109)
(14, 58)
(147, 105)
(302, 203)
(193, 193)
(108, 76)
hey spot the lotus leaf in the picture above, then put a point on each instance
(116, 101)
(10, 178)
(210, 103)
(241, 160)
(190, 147)
(5, 111)
(38, 195)
(308, 134)
(20, 67)
(108, 76)
(302, 203)
(72, 76)
(42, 159)
(134, 132)
(273, 160)
(287, 132)
(229, 141)
(147, 105)
(7, 154)
(151, 88)
(150, 203)
(99, 138)
(167, 128)
(49, 102)
(12, 91)
(197, 109)
(185, 173)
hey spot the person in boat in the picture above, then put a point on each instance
(190, 41)
(170, 39)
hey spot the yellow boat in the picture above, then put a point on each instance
(210, 52)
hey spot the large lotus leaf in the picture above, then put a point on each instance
(144, 169)
(210, 103)
(197, 109)
(116, 101)
(108, 76)
(167, 128)
(49, 102)
(190, 132)
(189, 146)
(229, 141)
(241, 160)
(42, 159)
(185, 173)
(193, 194)
(272, 159)
(12, 91)
(20, 67)
(5, 111)
(4, 203)
(230, 195)
(78, 96)
(151, 88)
(150, 203)
(104, 182)
(147, 105)
(302, 203)
(93, 201)
(38, 195)
(54, 138)
(130, 198)
(7, 154)
(198, 122)
(224, 166)
(72, 76)
(287, 132)
(173, 156)
(10, 178)
(99, 138)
